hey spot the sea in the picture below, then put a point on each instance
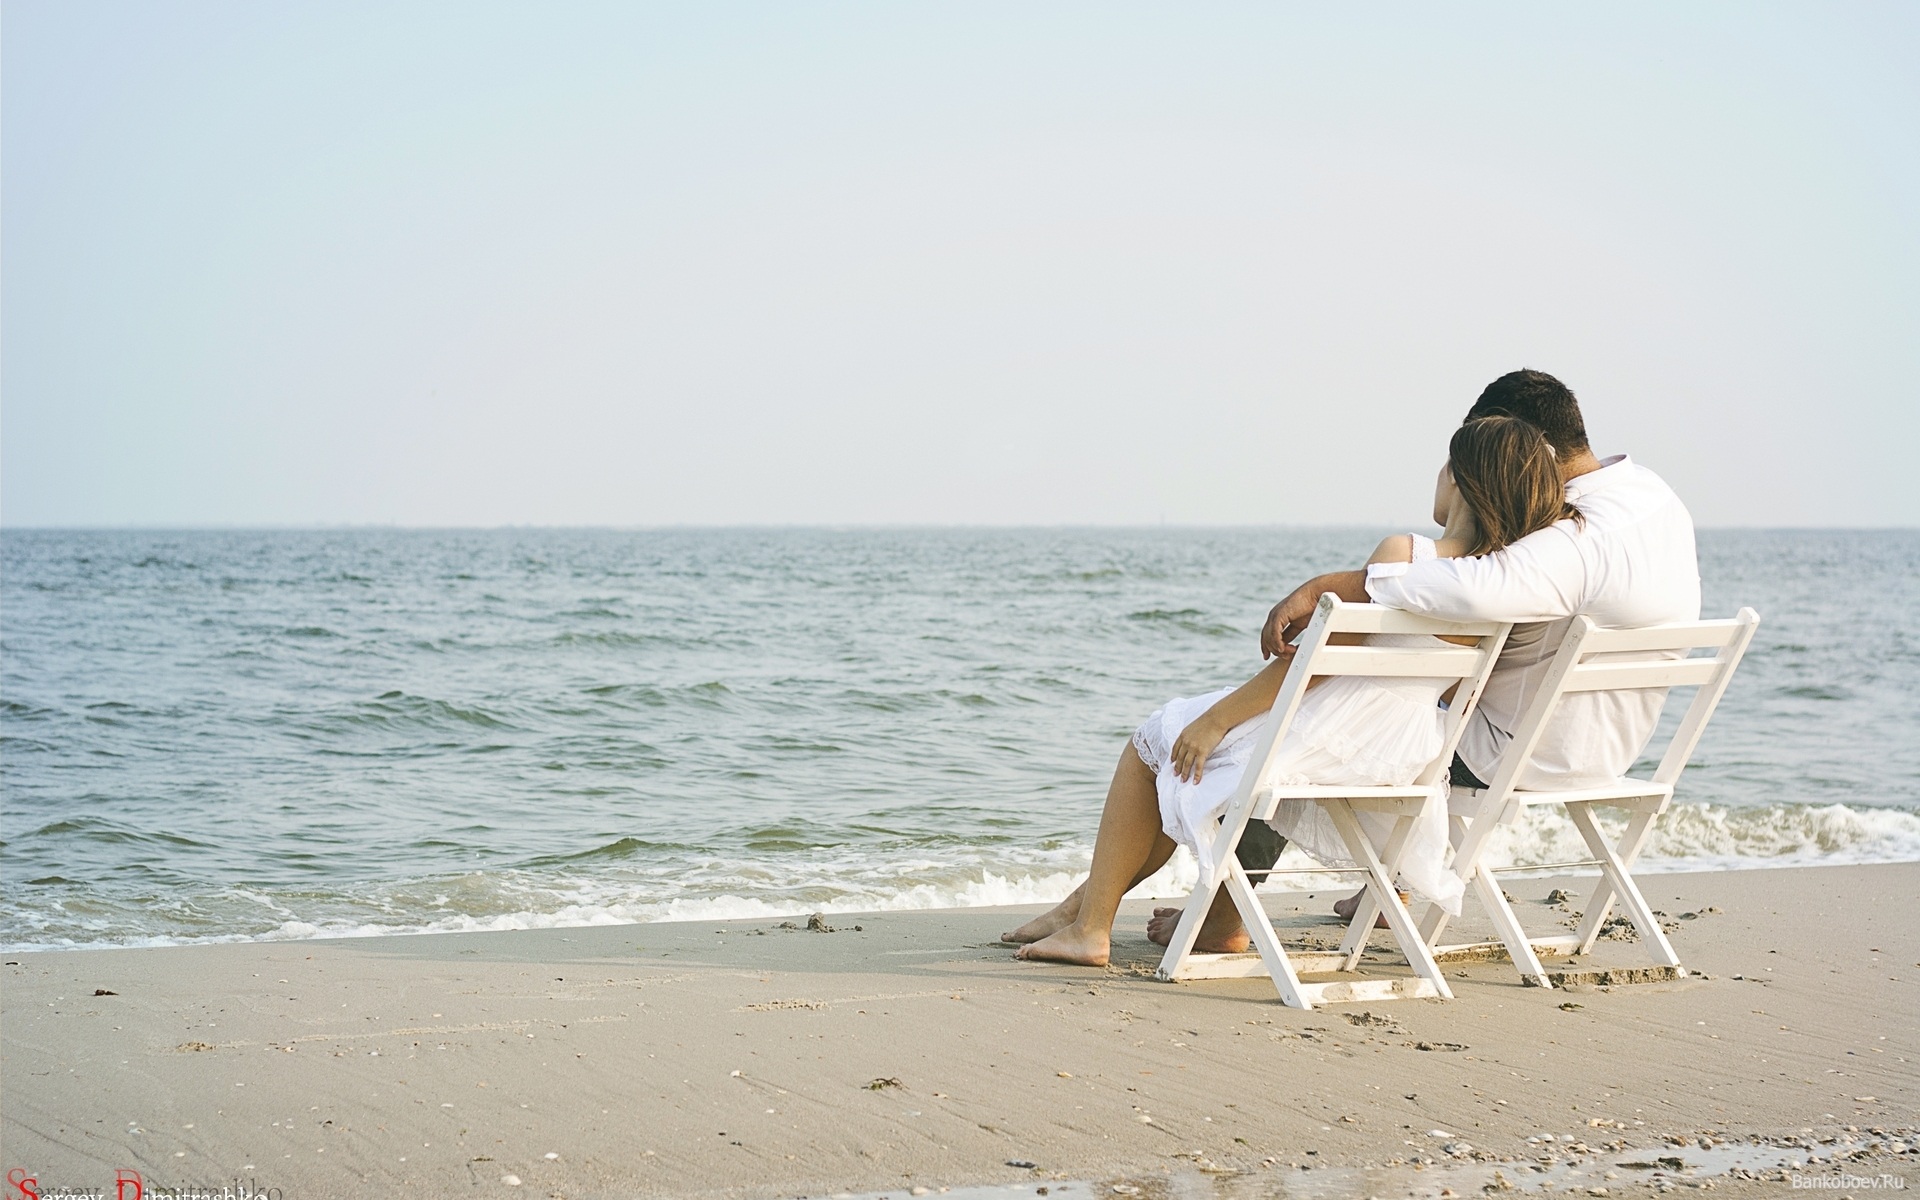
(245, 735)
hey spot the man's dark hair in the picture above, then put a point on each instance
(1542, 402)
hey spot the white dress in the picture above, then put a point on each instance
(1352, 729)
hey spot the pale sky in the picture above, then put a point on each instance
(626, 264)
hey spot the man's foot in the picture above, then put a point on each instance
(1344, 909)
(1044, 925)
(1070, 945)
(1161, 925)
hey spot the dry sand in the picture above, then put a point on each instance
(910, 1050)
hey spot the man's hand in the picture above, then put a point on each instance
(1286, 621)
(1289, 618)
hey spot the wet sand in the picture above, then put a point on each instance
(909, 1050)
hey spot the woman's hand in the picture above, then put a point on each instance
(1195, 742)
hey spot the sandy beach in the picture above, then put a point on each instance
(904, 1051)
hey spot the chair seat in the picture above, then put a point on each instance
(1619, 789)
(1326, 792)
(1367, 799)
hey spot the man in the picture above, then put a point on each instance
(1629, 562)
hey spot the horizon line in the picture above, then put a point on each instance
(821, 526)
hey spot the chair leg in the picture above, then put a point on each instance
(1380, 884)
(1199, 901)
(1623, 886)
(1180, 945)
(1361, 927)
(1600, 904)
(1507, 925)
(1260, 929)
(1354, 944)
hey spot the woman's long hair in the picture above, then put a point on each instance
(1505, 471)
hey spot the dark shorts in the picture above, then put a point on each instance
(1260, 846)
(1461, 775)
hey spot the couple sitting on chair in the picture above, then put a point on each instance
(1537, 531)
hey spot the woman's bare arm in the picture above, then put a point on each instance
(1244, 703)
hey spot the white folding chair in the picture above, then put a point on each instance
(1256, 799)
(1592, 659)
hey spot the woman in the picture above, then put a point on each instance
(1181, 766)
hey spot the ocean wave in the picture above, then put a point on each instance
(785, 872)
(611, 637)
(1701, 837)
(82, 830)
(712, 694)
(1190, 619)
(619, 849)
(398, 711)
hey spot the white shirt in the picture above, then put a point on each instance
(1632, 563)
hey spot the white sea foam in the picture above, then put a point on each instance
(1709, 837)
(1690, 837)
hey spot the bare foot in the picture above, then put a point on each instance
(1161, 924)
(1044, 925)
(1344, 909)
(1070, 945)
(1211, 940)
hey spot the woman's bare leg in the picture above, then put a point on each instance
(1129, 848)
(1056, 918)
(1064, 913)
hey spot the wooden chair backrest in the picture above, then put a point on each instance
(1316, 656)
(1592, 659)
